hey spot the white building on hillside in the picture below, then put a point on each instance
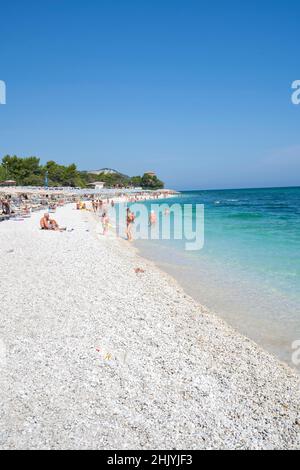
(97, 185)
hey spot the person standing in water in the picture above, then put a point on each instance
(152, 218)
(130, 218)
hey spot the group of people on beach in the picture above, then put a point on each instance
(101, 207)
(18, 205)
(98, 204)
(130, 217)
(11, 208)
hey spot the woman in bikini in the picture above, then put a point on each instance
(129, 222)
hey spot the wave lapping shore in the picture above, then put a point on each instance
(98, 355)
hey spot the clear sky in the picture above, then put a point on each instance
(198, 91)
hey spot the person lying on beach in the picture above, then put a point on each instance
(50, 224)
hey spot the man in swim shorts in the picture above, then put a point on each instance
(48, 224)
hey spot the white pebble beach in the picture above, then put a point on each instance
(96, 356)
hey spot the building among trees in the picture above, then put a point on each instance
(97, 185)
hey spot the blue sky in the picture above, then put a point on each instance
(198, 91)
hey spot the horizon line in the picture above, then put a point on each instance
(240, 189)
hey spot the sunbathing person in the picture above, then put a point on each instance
(49, 224)
(6, 207)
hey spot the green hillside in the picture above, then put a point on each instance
(30, 172)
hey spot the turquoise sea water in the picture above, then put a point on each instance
(249, 269)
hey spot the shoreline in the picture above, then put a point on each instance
(265, 339)
(154, 264)
(235, 321)
(178, 376)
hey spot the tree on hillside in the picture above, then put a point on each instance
(2, 173)
(29, 172)
(23, 170)
(71, 176)
(59, 175)
(136, 181)
(114, 179)
(151, 182)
